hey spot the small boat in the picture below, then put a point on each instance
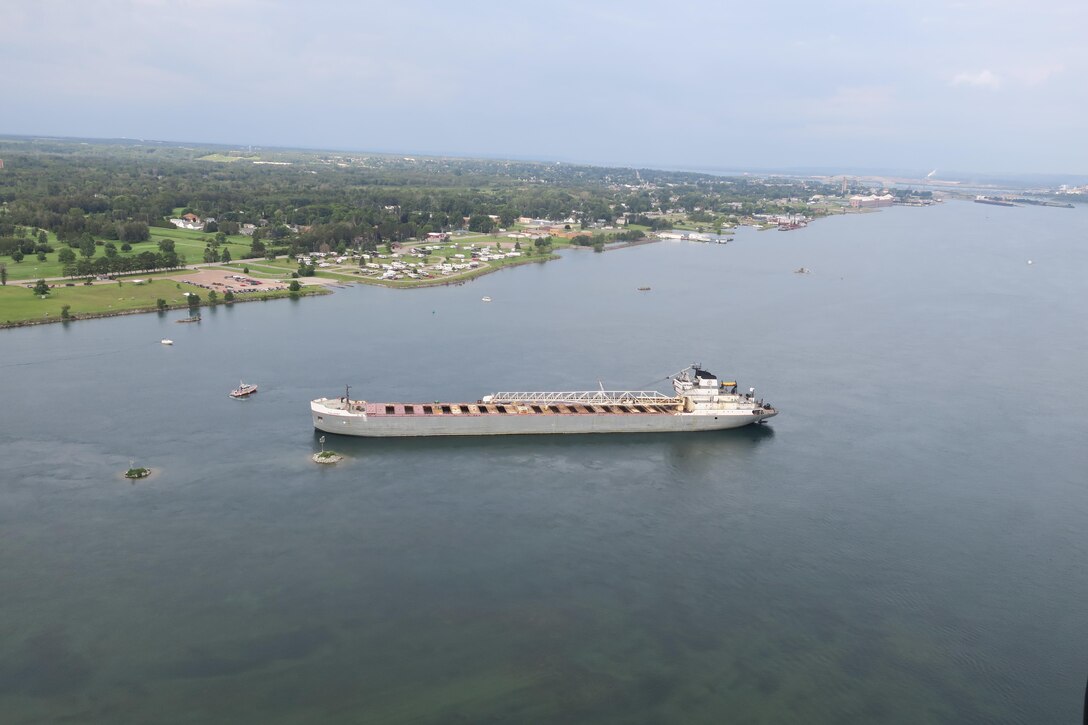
(485, 299)
(801, 270)
(165, 341)
(643, 289)
(243, 390)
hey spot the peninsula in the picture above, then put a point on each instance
(90, 229)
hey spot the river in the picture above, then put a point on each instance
(904, 543)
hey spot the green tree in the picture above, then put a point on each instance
(225, 255)
(193, 299)
(65, 312)
(17, 255)
(229, 296)
(480, 223)
(166, 245)
(294, 286)
(66, 256)
(86, 246)
(41, 287)
(213, 298)
(507, 217)
(42, 238)
(161, 304)
(3, 275)
(41, 256)
(133, 232)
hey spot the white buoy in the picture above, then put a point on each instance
(1029, 261)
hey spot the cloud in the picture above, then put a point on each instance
(981, 79)
(1038, 74)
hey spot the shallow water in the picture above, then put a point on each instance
(902, 544)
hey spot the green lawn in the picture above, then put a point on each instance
(31, 268)
(19, 304)
(191, 243)
(187, 242)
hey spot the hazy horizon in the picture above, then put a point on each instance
(987, 87)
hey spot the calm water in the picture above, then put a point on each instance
(903, 544)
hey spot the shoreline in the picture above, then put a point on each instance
(146, 310)
(317, 288)
(458, 279)
(325, 284)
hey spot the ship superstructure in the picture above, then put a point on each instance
(701, 402)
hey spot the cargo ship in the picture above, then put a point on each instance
(701, 402)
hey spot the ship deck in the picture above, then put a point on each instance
(500, 409)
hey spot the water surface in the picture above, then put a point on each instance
(903, 544)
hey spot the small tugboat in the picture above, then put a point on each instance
(166, 341)
(243, 390)
(485, 299)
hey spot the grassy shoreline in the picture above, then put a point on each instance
(20, 308)
(144, 304)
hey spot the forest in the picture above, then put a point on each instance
(99, 197)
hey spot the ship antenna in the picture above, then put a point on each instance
(347, 394)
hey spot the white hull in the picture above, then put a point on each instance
(329, 419)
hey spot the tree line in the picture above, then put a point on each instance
(147, 261)
(119, 191)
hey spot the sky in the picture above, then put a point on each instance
(989, 86)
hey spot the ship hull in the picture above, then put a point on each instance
(330, 420)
